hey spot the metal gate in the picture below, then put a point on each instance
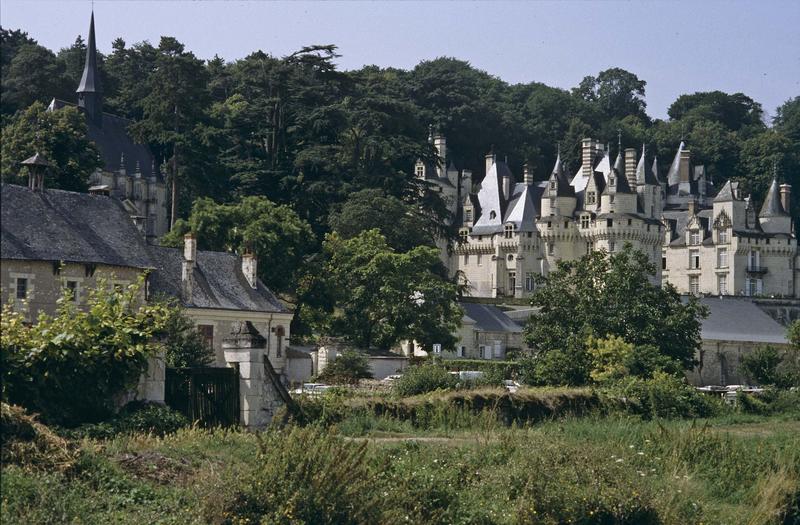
(207, 395)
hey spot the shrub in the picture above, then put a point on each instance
(424, 378)
(184, 347)
(768, 366)
(347, 368)
(71, 367)
(304, 475)
(136, 417)
(662, 396)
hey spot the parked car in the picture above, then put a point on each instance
(510, 385)
(468, 374)
(392, 378)
(311, 389)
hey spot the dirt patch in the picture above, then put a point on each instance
(155, 466)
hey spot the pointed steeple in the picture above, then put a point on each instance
(558, 167)
(655, 169)
(90, 90)
(562, 186)
(674, 175)
(772, 204)
(643, 175)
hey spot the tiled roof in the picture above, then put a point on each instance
(489, 318)
(740, 319)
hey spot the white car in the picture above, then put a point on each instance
(311, 389)
(392, 378)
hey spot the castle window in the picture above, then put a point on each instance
(22, 288)
(694, 259)
(478, 259)
(509, 231)
(694, 237)
(553, 185)
(72, 288)
(420, 171)
(630, 222)
(566, 224)
(610, 180)
(466, 259)
(722, 284)
(585, 221)
(206, 332)
(663, 262)
(611, 199)
(463, 233)
(609, 223)
(510, 257)
(551, 248)
(591, 198)
(612, 246)
(694, 285)
(529, 282)
(468, 214)
(722, 258)
(492, 215)
(512, 282)
(723, 236)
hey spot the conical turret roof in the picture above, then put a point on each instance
(772, 204)
(90, 81)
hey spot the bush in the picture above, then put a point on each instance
(424, 378)
(136, 417)
(184, 346)
(71, 367)
(768, 366)
(347, 369)
(662, 396)
(304, 475)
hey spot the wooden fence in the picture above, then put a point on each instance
(207, 395)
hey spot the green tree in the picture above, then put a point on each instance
(184, 346)
(787, 119)
(173, 108)
(58, 135)
(33, 74)
(610, 295)
(736, 112)
(382, 297)
(403, 225)
(347, 368)
(274, 233)
(616, 92)
(71, 366)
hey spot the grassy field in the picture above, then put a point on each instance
(737, 469)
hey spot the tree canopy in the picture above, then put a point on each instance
(602, 296)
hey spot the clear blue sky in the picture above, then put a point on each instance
(677, 47)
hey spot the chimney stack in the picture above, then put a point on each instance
(786, 197)
(630, 167)
(440, 144)
(588, 151)
(507, 185)
(692, 206)
(187, 266)
(527, 174)
(37, 167)
(466, 182)
(250, 268)
(490, 158)
(683, 166)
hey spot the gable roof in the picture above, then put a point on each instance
(114, 142)
(57, 225)
(218, 281)
(740, 319)
(522, 211)
(489, 318)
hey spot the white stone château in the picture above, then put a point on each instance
(699, 240)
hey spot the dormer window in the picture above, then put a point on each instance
(468, 214)
(420, 171)
(723, 236)
(584, 221)
(492, 215)
(591, 197)
(610, 180)
(694, 237)
(463, 233)
(509, 231)
(553, 185)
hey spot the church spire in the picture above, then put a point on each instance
(90, 90)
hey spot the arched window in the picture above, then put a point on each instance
(492, 215)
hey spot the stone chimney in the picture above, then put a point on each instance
(588, 152)
(683, 165)
(466, 182)
(508, 184)
(187, 266)
(786, 197)
(440, 144)
(250, 268)
(37, 167)
(692, 206)
(490, 159)
(630, 167)
(527, 174)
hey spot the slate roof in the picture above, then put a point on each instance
(673, 175)
(740, 319)
(113, 140)
(490, 197)
(57, 225)
(726, 194)
(218, 281)
(522, 209)
(90, 81)
(643, 175)
(772, 203)
(489, 318)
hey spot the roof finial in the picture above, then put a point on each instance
(775, 169)
(619, 139)
(430, 132)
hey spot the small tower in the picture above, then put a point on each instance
(37, 168)
(90, 90)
